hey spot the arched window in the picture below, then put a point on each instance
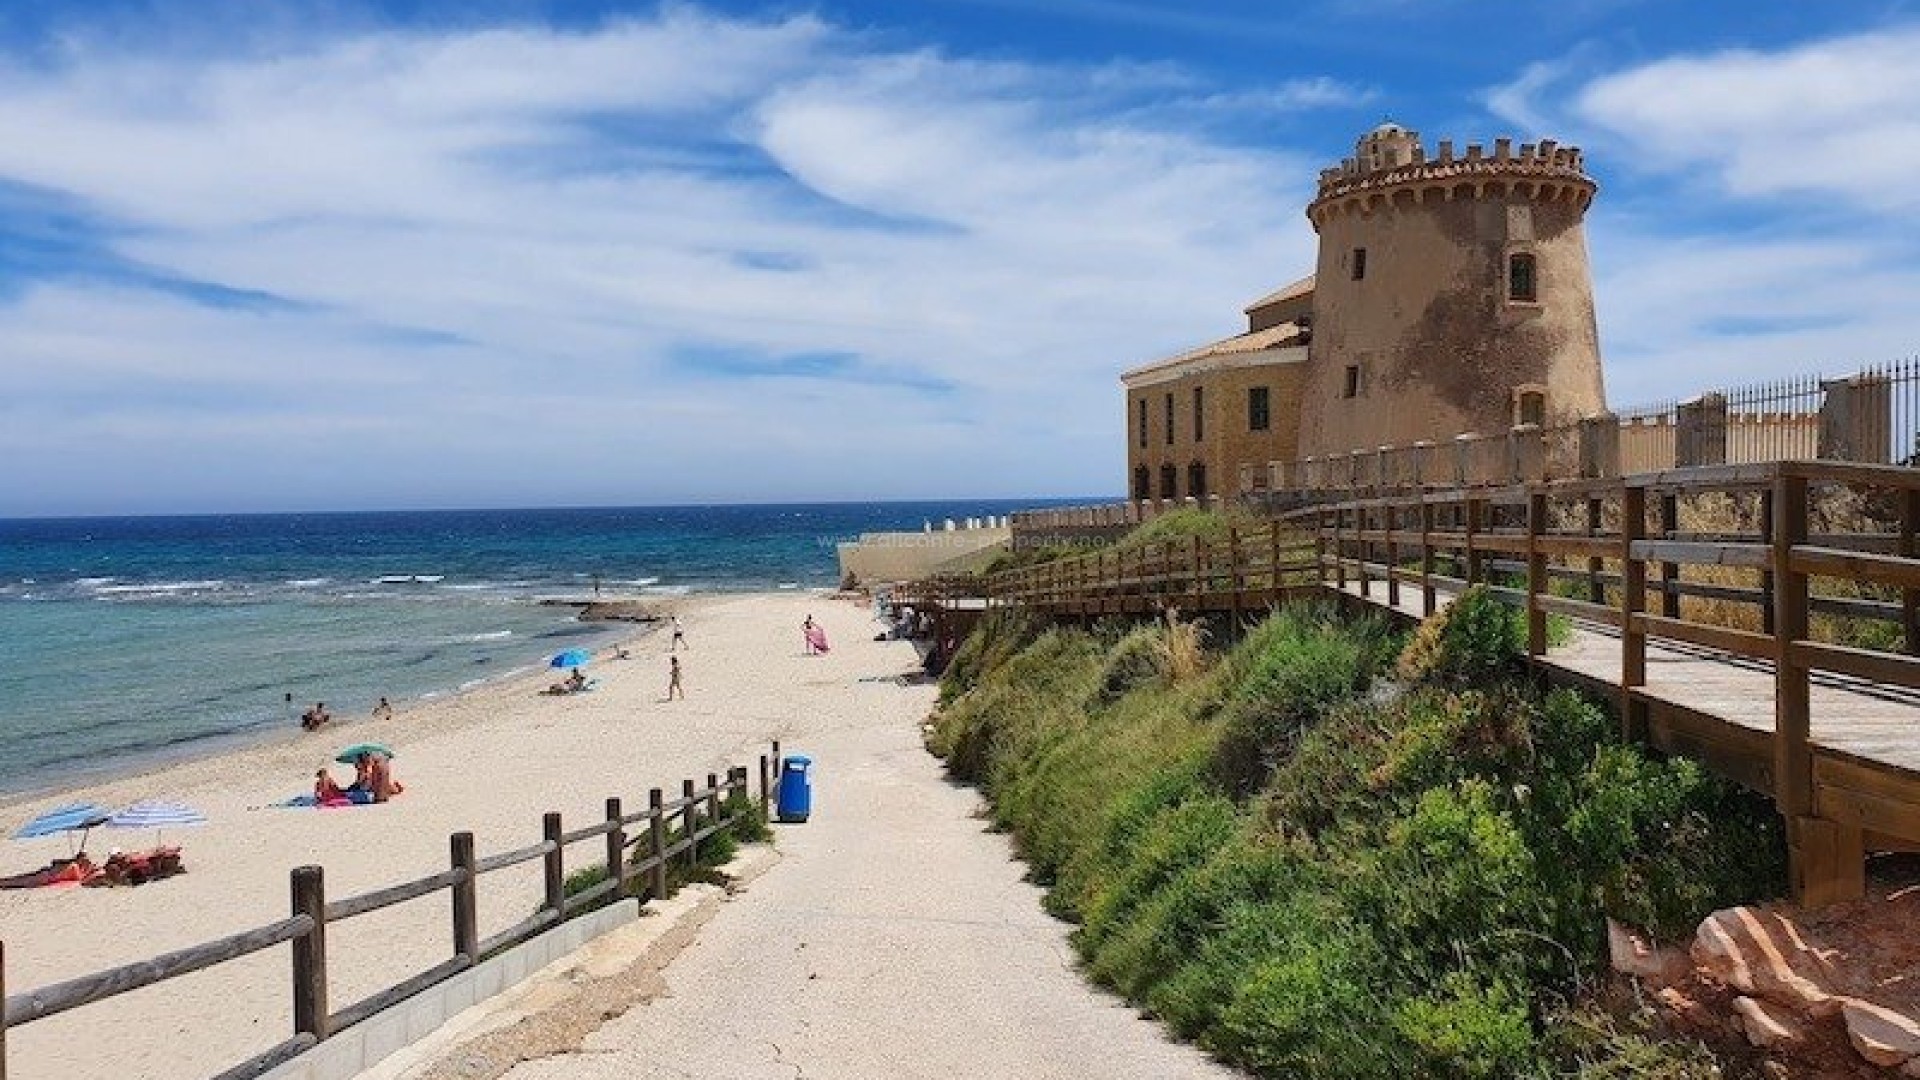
(1169, 482)
(1142, 483)
(1197, 480)
(1522, 279)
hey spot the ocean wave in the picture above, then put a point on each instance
(94, 582)
(788, 585)
(408, 579)
(308, 582)
(491, 635)
(642, 582)
(163, 588)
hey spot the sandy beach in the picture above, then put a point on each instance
(490, 761)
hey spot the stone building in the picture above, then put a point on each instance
(1451, 295)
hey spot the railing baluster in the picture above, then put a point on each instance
(466, 906)
(309, 898)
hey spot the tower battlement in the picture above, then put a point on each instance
(1391, 159)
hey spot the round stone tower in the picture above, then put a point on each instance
(1451, 294)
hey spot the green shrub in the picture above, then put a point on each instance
(1136, 660)
(1294, 671)
(1473, 641)
(1467, 1029)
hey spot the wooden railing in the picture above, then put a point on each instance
(1826, 584)
(1249, 568)
(699, 813)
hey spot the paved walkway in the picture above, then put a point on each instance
(895, 939)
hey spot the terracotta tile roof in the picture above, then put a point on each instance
(1286, 292)
(1273, 337)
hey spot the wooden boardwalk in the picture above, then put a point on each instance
(1761, 619)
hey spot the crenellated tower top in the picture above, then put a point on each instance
(1390, 160)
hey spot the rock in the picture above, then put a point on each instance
(1632, 954)
(1757, 953)
(1881, 1035)
(1768, 1026)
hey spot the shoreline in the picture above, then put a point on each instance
(70, 779)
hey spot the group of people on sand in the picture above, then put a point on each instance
(373, 782)
(121, 868)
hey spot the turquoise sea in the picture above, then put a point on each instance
(127, 640)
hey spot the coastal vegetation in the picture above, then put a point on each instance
(1328, 849)
(747, 824)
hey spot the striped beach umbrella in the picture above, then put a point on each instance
(155, 814)
(70, 818)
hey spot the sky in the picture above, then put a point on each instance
(416, 254)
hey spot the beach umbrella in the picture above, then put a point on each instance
(70, 818)
(73, 818)
(571, 658)
(351, 753)
(154, 814)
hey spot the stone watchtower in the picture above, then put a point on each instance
(1452, 294)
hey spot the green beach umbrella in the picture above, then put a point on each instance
(351, 753)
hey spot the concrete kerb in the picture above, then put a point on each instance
(480, 1009)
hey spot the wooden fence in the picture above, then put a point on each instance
(699, 813)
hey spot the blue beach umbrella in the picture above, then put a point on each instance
(571, 658)
(74, 817)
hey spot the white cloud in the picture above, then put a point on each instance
(499, 248)
(1837, 117)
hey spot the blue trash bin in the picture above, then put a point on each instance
(796, 788)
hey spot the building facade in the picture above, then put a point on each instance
(1451, 295)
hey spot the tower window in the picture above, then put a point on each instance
(1169, 479)
(1359, 264)
(1142, 411)
(1259, 409)
(1522, 283)
(1169, 419)
(1142, 483)
(1532, 408)
(1197, 480)
(1351, 389)
(1199, 414)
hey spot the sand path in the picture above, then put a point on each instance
(894, 940)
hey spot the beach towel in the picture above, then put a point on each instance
(816, 639)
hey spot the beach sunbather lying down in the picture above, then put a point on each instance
(137, 867)
(59, 872)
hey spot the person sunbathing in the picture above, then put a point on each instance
(58, 872)
(325, 791)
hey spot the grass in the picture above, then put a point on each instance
(749, 827)
(1323, 852)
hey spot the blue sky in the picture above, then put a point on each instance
(428, 254)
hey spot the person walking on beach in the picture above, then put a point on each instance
(679, 636)
(806, 635)
(383, 711)
(674, 689)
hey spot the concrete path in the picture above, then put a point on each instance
(894, 939)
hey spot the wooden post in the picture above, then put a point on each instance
(310, 1014)
(1195, 578)
(1768, 612)
(690, 822)
(1669, 572)
(713, 798)
(466, 898)
(657, 829)
(1273, 570)
(1476, 512)
(1633, 601)
(616, 848)
(777, 761)
(766, 803)
(3, 1010)
(1909, 548)
(1596, 589)
(1362, 522)
(1792, 763)
(1536, 573)
(1429, 596)
(1392, 513)
(555, 865)
(1233, 576)
(1339, 549)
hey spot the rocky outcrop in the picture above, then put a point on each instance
(1809, 989)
